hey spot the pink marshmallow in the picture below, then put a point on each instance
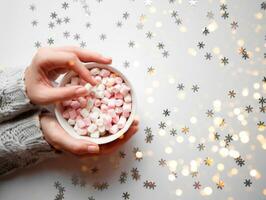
(119, 96)
(118, 80)
(66, 114)
(126, 114)
(104, 108)
(104, 73)
(124, 89)
(107, 94)
(97, 102)
(72, 114)
(75, 104)
(87, 121)
(115, 119)
(83, 102)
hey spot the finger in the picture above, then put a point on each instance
(85, 55)
(50, 95)
(56, 135)
(58, 60)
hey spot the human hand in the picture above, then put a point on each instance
(56, 136)
(49, 63)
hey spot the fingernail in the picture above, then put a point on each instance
(93, 149)
(80, 90)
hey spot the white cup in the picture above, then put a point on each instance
(103, 139)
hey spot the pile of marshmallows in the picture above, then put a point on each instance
(104, 110)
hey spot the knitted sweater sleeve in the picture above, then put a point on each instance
(13, 98)
(21, 140)
(22, 143)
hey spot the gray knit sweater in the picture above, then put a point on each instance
(21, 140)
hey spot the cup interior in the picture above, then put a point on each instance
(103, 139)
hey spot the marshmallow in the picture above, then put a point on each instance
(104, 73)
(113, 129)
(111, 103)
(96, 134)
(127, 98)
(72, 114)
(101, 129)
(124, 89)
(87, 121)
(118, 110)
(82, 131)
(111, 112)
(71, 121)
(99, 122)
(66, 114)
(90, 104)
(94, 116)
(98, 79)
(107, 94)
(115, 119)
(95, 71)
(110, 82)
(127, 107)
(122, 121)
(92, 128)
(125, 114)
(83, 102)
(75, 104)
(80, 123)
(97, 102)
(116, 88)
(88, 87)
(118, 80)
(85, 113)
(119, 96)
(119, 102)
(105, 108)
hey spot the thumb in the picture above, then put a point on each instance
(53, 94)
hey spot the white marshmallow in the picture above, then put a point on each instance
(101, 129)
(114, 129)
(127, 107)
(90, 104)
(118, 110)
(119, 102)
(71, 122)
(84, 113)
(92, 128)
(128, 98)
(96, 134)
(94, 116)
(95, 71)
(88, 87)
(111, 103)
(99, 122)
(104, 73)
(121, 123)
